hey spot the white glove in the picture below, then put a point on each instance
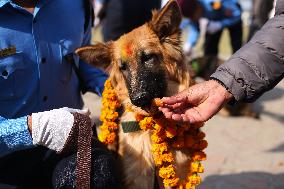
(187, 49)
(52, 128)
(213, 27)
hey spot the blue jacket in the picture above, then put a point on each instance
(229, 14)
(34, 75)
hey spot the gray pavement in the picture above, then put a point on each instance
(243, 153)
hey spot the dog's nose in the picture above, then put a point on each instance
(141, 100)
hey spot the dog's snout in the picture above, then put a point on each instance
(141, 100)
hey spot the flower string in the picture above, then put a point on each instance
(165, 135)
(109, 115)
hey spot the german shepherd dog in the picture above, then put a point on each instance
(144, 64)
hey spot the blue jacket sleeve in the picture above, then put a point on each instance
(14, 135)
(92, 77)
(193, 33)
(231, 14)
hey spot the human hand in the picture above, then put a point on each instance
(187, 49)
(197, 103)
(56, 128)
(213, 27)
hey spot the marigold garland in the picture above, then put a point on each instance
(165, 135)
(110, 104)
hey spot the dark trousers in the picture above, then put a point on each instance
(40, 168)
(32, 168)
(212, 40)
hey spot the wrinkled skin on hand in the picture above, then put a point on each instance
(197, 103)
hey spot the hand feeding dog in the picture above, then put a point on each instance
(144, 65)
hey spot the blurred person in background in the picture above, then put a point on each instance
(118, 17)
(39, 75)
(220, 14)
(260, 14)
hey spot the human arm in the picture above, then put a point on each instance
(51, 129)
(254, 69)
(258, 66)
(14, 135)
(92, 77)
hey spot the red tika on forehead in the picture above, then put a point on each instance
(126, 50)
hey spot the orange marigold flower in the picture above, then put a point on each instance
(171, 182)
(201, 145)
(111, 125)
(139, 117)
(197, 167)
(111, 138)
(168, 157)
(189, 141)
(194, 179)
(146, 123)
(158, 127)
(179, 143)
(201, 135)
(157, 138)
(167, 172)
(189, 186)
(160, 148)
(198, 156)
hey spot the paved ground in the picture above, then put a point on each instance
(243, 153)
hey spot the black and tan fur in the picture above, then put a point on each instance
(154, 68)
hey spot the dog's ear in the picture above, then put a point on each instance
(167, 21)
(98, 55)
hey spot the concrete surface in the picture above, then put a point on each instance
(243, 153)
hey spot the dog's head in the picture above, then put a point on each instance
(142, 62)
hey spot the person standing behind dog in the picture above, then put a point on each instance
(221, 14)
(250, 72)
(121, 16)
(260, 14)
(37, 79)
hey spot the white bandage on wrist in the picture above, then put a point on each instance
(51, 128)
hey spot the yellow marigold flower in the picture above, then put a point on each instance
(146, 123)
(189, 186)
(160, 148)
(194, 179)
(111, 116)
(171, 182)
(197, 167)
(158, 127)
(158, 160)
(103, 135)
(168, 157)
(167, 172)
(198, 156)
(156, 138)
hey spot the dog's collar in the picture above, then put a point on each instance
(130, 126)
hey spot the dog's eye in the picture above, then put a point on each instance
(148, 57)
(122, 65)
